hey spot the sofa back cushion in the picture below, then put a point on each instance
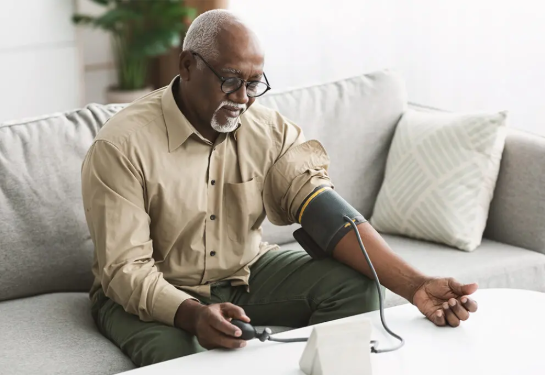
(44, 241)
(517, 211)
(355, 120)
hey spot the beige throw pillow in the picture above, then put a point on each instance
(440, 177)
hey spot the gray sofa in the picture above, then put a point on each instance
(46, 251)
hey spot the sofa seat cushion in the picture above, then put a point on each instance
(491, 265)
(55, 333)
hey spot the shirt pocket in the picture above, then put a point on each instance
(243, 203)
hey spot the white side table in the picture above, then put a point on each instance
(506, 336)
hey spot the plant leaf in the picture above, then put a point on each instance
(82, 19)
(191, 13)
(101, 2)
(157, 43)
(113, 17)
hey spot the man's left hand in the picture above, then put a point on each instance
(445, 301)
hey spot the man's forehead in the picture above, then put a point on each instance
(240, 73)
(239, 52)
(242, 68)
(232, 70)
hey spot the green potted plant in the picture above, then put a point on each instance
(139, 30)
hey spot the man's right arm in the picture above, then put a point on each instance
(113, 198)
(187, 316)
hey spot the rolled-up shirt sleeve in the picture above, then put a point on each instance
(301, 168)
(113, 198)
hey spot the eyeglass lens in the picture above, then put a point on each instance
(253, 88)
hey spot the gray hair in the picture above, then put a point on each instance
(201, 37)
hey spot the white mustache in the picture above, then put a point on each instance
(242, 107)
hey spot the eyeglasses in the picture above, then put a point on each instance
(232, 84)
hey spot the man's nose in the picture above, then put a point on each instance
(240, 96)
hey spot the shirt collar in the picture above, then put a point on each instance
(237, 129)
(179, 129)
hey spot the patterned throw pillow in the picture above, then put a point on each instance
(440, 177)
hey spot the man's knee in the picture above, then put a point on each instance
(145, 343)
(362, 293)
(346, 293)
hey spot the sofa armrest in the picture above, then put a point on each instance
(517, 211)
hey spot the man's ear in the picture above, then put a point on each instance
(186, 65)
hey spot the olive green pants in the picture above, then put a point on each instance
(287, 288)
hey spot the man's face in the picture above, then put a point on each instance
(239, 56)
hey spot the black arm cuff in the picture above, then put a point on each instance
(322, 218)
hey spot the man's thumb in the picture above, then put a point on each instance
(235, 312)
(462, 289)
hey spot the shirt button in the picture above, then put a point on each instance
(212, 253)
(212, 217)
(213, 182)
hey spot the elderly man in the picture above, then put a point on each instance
(175, 189)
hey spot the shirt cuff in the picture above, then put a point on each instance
(167, 304)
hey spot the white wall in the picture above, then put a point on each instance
(322, 50)
(312, 41)
(39, 71)
(97, 60)
(461, 55)
(468, 55)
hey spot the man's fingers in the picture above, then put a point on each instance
(438, 318)
(234, 312)
(229, 342)
(216, 339)
(219, 323)
(462, 289)
(451, 318)
(458, 310)
(469, 304)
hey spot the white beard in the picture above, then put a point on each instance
(231, 123)
(225, 128)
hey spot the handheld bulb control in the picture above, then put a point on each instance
(249, 332)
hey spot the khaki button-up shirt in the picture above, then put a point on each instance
(169, 211)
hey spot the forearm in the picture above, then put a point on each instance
(142, 291)
(393, 272)
(294, 189)
(186, 315)
(115, 211)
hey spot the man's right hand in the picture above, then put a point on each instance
(211, 324)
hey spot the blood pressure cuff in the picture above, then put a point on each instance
(323, 225)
